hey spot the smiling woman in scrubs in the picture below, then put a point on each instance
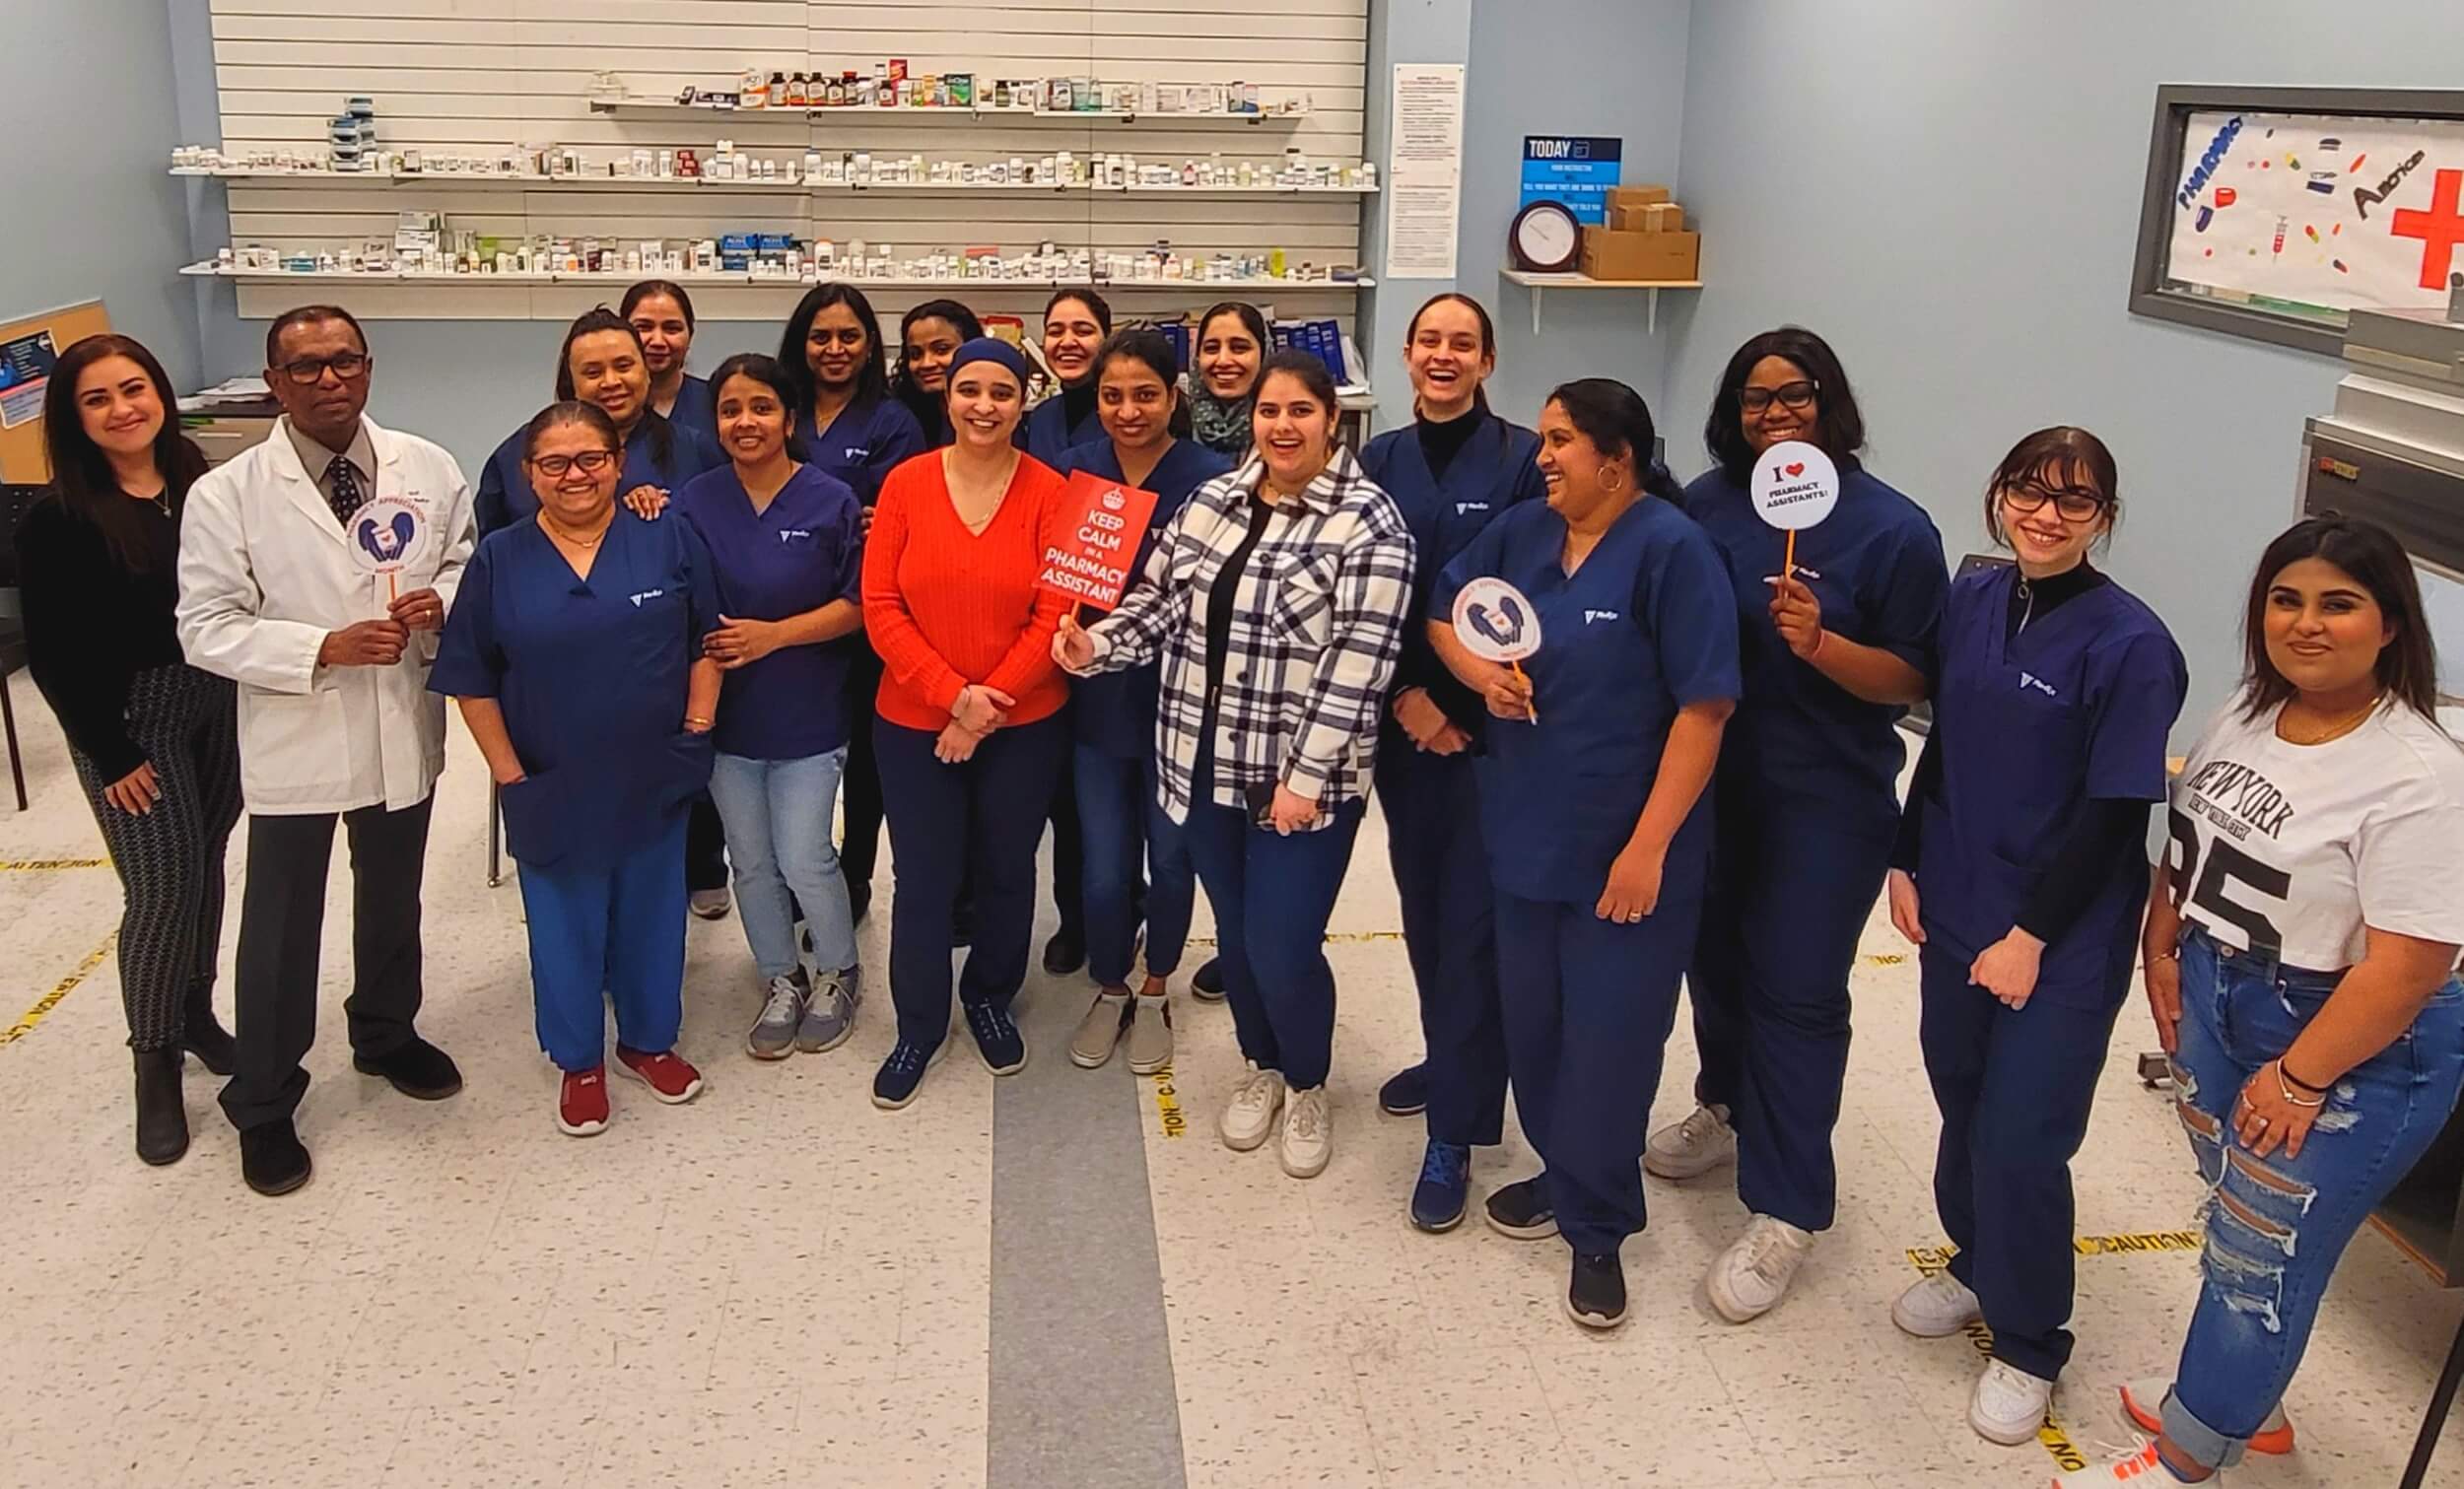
(1075, 324)
(1454, 470)
(1113, 724)
(661, 315)
(575, 651)
(1594, 807)
(786, 546)
(2020, 872)
(1808, 797)
(928, 336)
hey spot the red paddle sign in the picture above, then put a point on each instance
(1093, 538)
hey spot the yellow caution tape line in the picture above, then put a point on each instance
(1168, 1114)
(1929, 1261)
(42, 865)
(60, 989)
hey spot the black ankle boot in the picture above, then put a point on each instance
(162, 1116)
(205, 1036)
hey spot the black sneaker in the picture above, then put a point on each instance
(1406, 1094)
(1521, 1210)
(997, 1040)
(272, 1158)
(894, 1084)
(419, 1071)
(1066, 952)
(1206, 984)
(1595, 1292)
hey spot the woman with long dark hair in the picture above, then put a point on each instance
(1457, 468)
(1597, 821)
(852, 428)
(1075, 326)
(1226, 356)
(601, 362)
(154, 741)
(1808, 801)
(929, 335)
(1128, 839)
(2300, 952)
(2022, 874)
(660, 313)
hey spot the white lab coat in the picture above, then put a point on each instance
(265, 572)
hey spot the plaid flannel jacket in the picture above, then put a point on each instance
(1316, 623)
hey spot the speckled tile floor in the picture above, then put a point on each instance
(781, 1285)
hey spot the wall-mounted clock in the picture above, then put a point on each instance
(1546, 239)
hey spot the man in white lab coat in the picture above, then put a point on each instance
(315, 569)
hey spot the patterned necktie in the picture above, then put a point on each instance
(347, 498)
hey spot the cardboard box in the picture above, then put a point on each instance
(1653, 217)
(1611, 254)
(1638, 196)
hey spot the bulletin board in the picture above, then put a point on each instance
(2273, 213)
(27, 347)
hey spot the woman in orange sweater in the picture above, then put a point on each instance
(968, 744)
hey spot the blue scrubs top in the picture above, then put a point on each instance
(1492, 472)
(805, 549)
(1876, 565)
(1115, 712)
(1048, 435)
(592, 675)
(505, 497)
(696, 408)
(1642, 629)
(2075, 709)
(866, 443)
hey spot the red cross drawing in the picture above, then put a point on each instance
(2440, 228)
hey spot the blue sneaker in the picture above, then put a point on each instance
(997, 1040)
(894, 1084)
(1439, 1198)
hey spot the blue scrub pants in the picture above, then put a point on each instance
(1450, 933)
(1272, 897)
(1124, 826)
(978, 821)
(2014, 1086)
(778, 818)
(1793, 880)
(608, 931)
(1589, 1004)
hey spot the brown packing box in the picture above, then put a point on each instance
(1654, 217)
(1639, 196)
(1611, 254)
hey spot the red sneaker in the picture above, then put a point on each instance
(667, 1075)
(582, 1106)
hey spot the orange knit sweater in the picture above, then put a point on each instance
(946, 607)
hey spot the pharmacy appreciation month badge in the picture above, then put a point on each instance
(385, 537)
(1093, 540)
(1495, 623)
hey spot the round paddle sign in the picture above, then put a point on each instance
(1794, 486)
(1495, 623)
(386, 535)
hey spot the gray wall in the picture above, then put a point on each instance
(89, 212)
(1949, 192)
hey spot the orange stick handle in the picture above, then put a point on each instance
(391, 594)
(1532, 710)
(1788, 565)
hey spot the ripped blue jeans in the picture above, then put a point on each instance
(2277, 1226)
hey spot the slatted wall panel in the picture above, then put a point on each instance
(482, 76)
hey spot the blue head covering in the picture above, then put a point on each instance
(991, 349)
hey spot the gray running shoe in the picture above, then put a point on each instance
(829, 1015)
(1106, 1018)
(1150, 1035)
(774, 1033)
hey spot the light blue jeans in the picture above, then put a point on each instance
(778, 818)
(2275, 1226)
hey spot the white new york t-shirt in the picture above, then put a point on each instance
(2291, 850)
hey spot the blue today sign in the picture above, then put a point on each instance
(1577, 169)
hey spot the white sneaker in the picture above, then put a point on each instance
(1749, 1278)
(1937, 1308)
(2008, 1404)
(1250, 1115)
(2143, 1469)
(1308, 1134)
(1703, 1141)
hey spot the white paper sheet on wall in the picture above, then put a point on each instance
(1424, 172)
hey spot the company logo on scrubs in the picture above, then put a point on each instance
(1463, 507)
(792, 535)
(647, 594)
(858, 451)
(2031, 680)
(1588, 616)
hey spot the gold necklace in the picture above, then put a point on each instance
(2337, 730)
(562, 537)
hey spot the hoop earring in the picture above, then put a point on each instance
(1613, 482)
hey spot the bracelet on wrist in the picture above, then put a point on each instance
(2284, 1088)
(2285, 1071)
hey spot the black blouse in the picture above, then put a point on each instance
(91, 624)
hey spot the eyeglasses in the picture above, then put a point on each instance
(589, 462)
(309, 371)
(1796, 397)
(2073, 503)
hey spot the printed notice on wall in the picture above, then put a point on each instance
(1424, 172)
